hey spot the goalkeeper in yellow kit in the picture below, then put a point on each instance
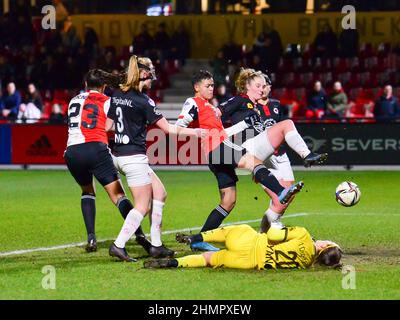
(291, 247)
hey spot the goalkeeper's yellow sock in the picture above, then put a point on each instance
(193, 261)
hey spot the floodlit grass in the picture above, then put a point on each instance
(42, 209)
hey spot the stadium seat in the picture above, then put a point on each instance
(366, 50)
(340, 65)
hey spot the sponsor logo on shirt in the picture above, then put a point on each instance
(119, 101)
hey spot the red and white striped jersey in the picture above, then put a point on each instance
(87, 114)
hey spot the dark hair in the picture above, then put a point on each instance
(97, 78)
(267, 79)
(330, 257)
(200, 76)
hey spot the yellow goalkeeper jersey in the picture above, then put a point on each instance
(286, 248)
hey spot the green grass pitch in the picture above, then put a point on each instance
(42, 209)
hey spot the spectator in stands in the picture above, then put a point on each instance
(108, 62)
(91, 43)
(273, 53)
(162, 42)
(222, 95)
(143, 42)
(259, 46)
(11, 102)
(72, 78)
(316, 102)
(56, 115)
(257, 63)
(220, 67)
(7, 29)
(180, 45)
(276, 41)
(31, 110)
(7, 70)
(34, 97)
(61, 12)
(387, 107)
(50, 73)
(70, 38)
(337, 106)
(325, 43)
(24, 34)
(232, 52)
(348, 43)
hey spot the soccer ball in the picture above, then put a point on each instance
(348, 194)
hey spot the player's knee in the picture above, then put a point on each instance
(289, 124)
(207, 256)
(90, 194)
(162, 196)
(228, 204)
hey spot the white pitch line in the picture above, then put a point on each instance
(72, 245)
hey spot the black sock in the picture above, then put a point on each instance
(88, 206)
(267, 179)
(173, 263)
(215, 219)
(124, 206)
(196, 238)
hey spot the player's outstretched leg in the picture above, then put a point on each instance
(191, 261)
(288, 193)
(157, 249)
(286, 131)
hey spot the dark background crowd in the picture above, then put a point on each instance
(334, 77)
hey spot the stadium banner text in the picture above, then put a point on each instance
(210, 33)
(347, 144)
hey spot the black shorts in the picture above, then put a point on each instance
(92, 158)
(226, 153)
(225, 174)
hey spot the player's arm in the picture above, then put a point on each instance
(229, 107)
(286, 234)
(242, 125)
(165, 126)
(188, 114)
(154, 116)
(109, 110)
(110, 125)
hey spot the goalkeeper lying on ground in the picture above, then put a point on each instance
(291, 247)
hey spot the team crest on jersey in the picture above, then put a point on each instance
(250, 106)
(151, 102)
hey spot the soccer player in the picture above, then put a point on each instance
(224, 156)
(88, 155)
(132, 112)
(198, 112)
(250, 85)
(286, 248)
(278, 163)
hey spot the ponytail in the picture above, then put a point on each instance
(132, 76)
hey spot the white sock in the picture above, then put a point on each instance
(272, 216)
(156, 223)
(296, 142)
(132, 222)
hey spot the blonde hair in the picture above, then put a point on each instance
(132, 78)
(244, 78)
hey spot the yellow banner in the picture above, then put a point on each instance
(209, 33)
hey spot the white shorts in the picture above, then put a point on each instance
(280, 167)
(259, 146)
(136, 169)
